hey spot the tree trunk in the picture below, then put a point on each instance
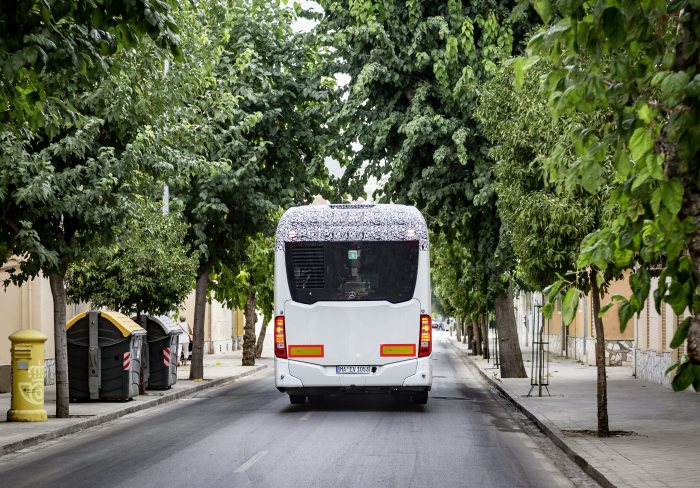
(249, 331)
(261, 337)
(476, 338)
(509, 348)
(200, 303)
(144, 360)
(458, 329)
(603, 427)
(58, 293)
(485, 337)
(468, 335)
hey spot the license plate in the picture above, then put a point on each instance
(352, 369)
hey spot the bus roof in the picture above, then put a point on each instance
(352, 222)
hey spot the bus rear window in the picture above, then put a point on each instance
(349, 271)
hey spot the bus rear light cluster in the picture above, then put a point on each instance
(280, 338)
(425, 345)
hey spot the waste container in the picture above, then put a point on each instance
(104, 356)
(162, 334)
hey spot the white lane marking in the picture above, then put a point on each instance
(244, 467)
(305, 417)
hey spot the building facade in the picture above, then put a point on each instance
(643, 345)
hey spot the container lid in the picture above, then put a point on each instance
(123, 323)
(166, 323)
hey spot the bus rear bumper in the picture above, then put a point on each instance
(283, 379)
(413, 375)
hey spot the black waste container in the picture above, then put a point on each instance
(104, 356)
(162, 335)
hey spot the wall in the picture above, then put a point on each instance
(218, 325)
(652, 353)
(25, 307)
(577, 340)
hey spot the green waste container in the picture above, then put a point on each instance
(162, 334)
(104, 356)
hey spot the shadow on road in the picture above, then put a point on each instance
(358, 402)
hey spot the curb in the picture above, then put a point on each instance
(101, 419)
(549, 429)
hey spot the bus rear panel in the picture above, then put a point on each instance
(352, 298)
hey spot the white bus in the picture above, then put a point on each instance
(352, 301)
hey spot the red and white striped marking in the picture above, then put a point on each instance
(126, 364)
(166, 357)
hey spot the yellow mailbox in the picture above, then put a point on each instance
(27, 404)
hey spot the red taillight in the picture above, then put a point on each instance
(280, 338)
(425, 345)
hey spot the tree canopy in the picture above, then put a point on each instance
(416, 69)
(639, 62)
(147, 269)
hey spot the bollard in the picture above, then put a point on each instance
(27, 404)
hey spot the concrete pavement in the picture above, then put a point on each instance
(663, 450)
(15, 436)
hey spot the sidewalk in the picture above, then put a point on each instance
(218, 369)
(665, 450)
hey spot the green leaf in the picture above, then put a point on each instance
(569, 7)
(670, 193)
(605, 308)
(678, 124)
(547, 310)
(592, 176)
(624, 313)
(614, 25)
(673, 87)
(544, 9)
(693, 88)
(569, 305)
(623, 166)
(673, 367)
(681, 333)
(677, 296)
(684, 377)
(641, 143)
(676, 5)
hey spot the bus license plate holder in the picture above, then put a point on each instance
(352, 369)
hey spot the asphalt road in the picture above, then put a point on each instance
(248, 434)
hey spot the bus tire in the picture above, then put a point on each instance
(420, 397)
(297, 399)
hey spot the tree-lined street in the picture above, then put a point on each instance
(148, 149)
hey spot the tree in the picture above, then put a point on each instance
(416, 69)
(68, 168)
(638, 61)
(547, 218)
(39, 39)
(261, 115)
(250, 287)
(146, 269)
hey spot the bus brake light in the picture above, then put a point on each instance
(280, 338)
(426, 337)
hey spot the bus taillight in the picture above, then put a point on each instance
(280, 338)
(426, 337)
